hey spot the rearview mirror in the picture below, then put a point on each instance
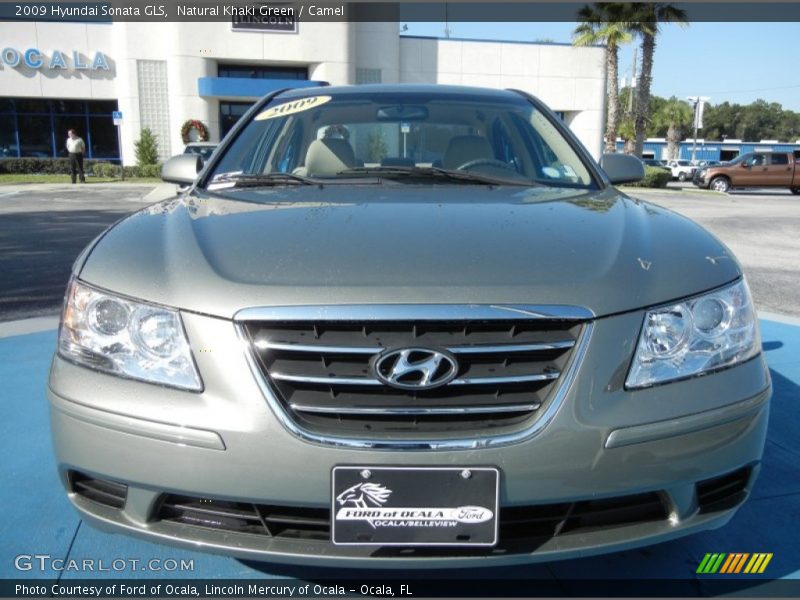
(181, 169)
(402, 112)
(622, 168)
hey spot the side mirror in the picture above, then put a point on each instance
(181, 169)
(622, 168)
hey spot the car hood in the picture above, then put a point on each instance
(402, 243)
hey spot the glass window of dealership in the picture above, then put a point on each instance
(37, 127)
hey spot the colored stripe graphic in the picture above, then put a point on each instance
(728, 564)
(740, 564)
(734, 563)
(711, 562)
(754, 563)
(765, 563)
(717, 563)
(703, 563)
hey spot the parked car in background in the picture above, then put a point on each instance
(754, 169)
(702, 164)
(202, 149)
(658, 164)
(682, 170)
(460, 347)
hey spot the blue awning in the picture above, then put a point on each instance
(246, 88)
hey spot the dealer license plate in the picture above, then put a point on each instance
(414, 506)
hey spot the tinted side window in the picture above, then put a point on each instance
(779, 159)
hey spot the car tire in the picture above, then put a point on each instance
(795, 190)
(720, 184)
(681, 176)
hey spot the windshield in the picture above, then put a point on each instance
(378, 136)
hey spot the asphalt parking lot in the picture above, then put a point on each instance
(761, 229)
(42, 230)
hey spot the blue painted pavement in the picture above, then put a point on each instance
(39, 520)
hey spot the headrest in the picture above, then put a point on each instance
(328, 156)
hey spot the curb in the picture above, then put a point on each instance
(779, 318)
(26, 326)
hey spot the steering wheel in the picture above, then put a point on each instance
(489, 162)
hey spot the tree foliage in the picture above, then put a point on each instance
(676, 117)
(146, 148)
(759, 120)
(649, 17)
(377, 149)
(606, 24)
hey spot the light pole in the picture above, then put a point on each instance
(697, 102)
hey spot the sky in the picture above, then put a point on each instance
(737, 62)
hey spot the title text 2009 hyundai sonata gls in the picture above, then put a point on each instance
(396, 326)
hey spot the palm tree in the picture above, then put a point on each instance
(649, 18)
(628, 134)
(674, 115)
(606, 24)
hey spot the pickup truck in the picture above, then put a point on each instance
(755, 169)
(682, 170)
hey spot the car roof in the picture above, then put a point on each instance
(198, 144)
(400, 88)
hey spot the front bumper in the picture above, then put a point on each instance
(225, 444)
(701, 182)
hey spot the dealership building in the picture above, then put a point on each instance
(56, 76)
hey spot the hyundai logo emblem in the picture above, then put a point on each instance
(415, 368)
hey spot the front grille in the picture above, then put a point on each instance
(102, 491)
(521, 528)
(323, 374)
(723, 493)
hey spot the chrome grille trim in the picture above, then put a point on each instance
(414, 312)
(437, 312)
(319, 349)
(455, 410)
(549, 376)
(560, 345)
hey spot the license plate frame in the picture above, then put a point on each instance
(414, 506)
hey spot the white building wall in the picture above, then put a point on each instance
(22, 81)
(568, 79)
(369, 37)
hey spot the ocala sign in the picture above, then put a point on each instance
(34, 58)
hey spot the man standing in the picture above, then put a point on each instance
(76, 148)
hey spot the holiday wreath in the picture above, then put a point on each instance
(198, 126)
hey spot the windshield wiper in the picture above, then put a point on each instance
(241, 180)
(436, 173)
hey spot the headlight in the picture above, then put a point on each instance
(696, 336)
(126, 338)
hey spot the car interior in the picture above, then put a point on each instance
(501, 140)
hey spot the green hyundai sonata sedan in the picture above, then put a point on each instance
(399, 326)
